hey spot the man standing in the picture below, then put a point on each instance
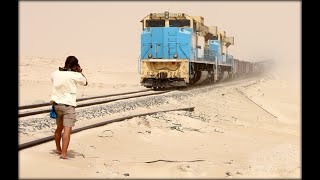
(63, 97)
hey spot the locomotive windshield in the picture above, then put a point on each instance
(155, 23)
(179, 23)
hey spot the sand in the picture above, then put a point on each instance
(227, 135)
(245, 128)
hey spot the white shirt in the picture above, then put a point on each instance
(65, 86)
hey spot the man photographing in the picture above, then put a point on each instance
(63, 98)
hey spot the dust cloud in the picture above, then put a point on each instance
(101, 32)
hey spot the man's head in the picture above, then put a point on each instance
(71, 63)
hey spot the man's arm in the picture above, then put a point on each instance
(79, 70)
(84, 77)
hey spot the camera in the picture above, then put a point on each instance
(78, 68)
(75, 68)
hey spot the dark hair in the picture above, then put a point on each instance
(71, 62)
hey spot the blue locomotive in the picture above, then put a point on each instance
(178, 50)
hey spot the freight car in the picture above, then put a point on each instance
(241, 68)
(178, 50)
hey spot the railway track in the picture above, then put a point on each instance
(35, 109)
(95, 101)
(78, 100)
(50, 138)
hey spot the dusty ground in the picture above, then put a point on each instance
(227, 134)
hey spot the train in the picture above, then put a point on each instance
(178, 50)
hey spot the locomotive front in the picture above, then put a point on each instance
(177, 50)
(165, 50)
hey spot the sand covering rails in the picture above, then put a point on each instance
(227, 135)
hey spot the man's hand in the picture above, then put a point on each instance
(78, 69)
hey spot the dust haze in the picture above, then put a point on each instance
(236, 137)
(111, 30)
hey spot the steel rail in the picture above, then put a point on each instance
(90, 104)
(80, 99)
(255, 103)
(49, 138)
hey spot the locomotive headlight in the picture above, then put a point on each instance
(150, 55)
(175, 56)
(166, 14)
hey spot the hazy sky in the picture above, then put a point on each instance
(111, 29)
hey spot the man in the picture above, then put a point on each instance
(63, 97)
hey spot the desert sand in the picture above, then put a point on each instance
(226, 136)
